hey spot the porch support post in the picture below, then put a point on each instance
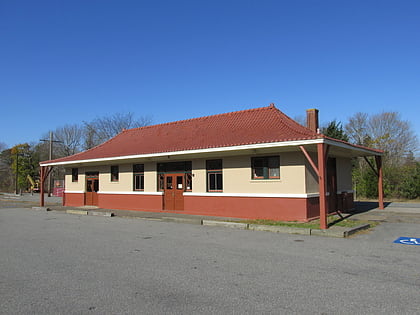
(322, 172)
(44, 172)
(41, 188)
(380, 182)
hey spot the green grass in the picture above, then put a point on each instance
(332, 220)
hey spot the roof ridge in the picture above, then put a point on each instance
(292, 124)
(202, 118)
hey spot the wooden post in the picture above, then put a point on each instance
(323, 208)
(41, 188)
(380, 182)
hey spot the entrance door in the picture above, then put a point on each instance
(173, 194)
(92, 187)
(332, 184)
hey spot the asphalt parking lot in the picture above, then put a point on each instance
(57, 263)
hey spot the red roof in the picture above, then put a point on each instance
(253, 126)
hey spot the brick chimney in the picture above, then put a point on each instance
(312, 119)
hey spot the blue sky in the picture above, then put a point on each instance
(64, 62)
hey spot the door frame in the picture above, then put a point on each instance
(92, 188)
(173, 191)
(332, 184)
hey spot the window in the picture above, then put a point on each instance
(138, 175)
(74, 175)
(161, 178)
(267, 167)
(188, 182)
(184, 167)
(115, 173)
(214, 175)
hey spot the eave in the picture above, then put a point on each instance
(341, 148)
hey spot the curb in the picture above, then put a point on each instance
(329, 232)
(280, 229)
(183, 220)
(235, 225)
(41, 208)
(339, 232)
(101, 214)
(80, 212)
(356, 229)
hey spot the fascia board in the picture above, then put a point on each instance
(198, 151)
(349, 146)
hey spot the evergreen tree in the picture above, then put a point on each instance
(335, 130)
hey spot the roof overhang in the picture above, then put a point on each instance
(340, 149)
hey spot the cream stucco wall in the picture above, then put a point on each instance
(78, 186)
(199, 176)
(124, 183)
(296, 176)
(237, 176)
(344, 180)
(150, 177)
(311, 178)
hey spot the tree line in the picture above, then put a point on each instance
(23, 159)
(388, 132)
(385, 131)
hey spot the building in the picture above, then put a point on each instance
(256, 163)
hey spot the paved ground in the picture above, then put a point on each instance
(366, 211)
(57, 263)
(393, 212)
(26, 200)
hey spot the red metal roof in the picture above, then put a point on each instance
(253, 126)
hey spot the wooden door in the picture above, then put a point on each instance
(92, 187)
(173, 194)
(332, 184)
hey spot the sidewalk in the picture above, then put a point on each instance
(393, 212)
(367, 211)
(235, 223)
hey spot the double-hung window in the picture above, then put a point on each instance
(74, 175)
(115, 173)
(214, 175)
(138, 177)
(265, 167)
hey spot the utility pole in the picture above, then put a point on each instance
(50, 156)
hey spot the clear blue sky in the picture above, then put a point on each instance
(64, 62)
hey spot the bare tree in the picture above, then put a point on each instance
(357, 128)
(103, 129)
(3, 146)
(385, 131)
(70, 139)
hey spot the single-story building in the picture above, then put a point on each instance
(255, 164)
